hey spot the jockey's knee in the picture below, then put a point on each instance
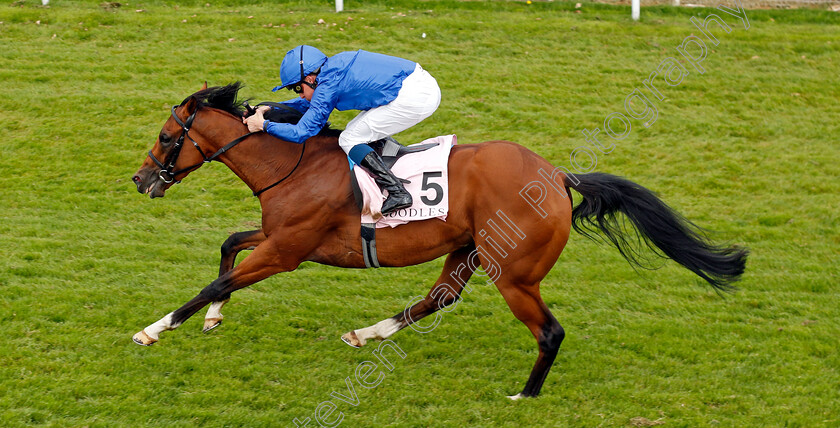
(347, 143)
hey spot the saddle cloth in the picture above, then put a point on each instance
(429, 187)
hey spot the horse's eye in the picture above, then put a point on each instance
(164, 139)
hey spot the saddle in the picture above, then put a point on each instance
(391, 150)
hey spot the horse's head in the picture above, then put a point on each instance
(176, 152)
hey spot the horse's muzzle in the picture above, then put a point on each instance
(149, 184)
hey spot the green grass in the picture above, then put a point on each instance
(748, 149)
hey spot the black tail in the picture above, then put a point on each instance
(656, 223)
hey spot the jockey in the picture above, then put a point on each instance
(392, 93)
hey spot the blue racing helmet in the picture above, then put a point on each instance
(298, 63)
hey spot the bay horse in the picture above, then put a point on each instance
(309, 214)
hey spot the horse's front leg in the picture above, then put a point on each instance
(264, 262)
(235, 243)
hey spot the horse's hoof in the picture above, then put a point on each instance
(143, 339)
(352, 340)
(211, 323)
(516, 397)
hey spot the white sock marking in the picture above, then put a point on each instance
(381, 330)
(160, 326)
(215, 310)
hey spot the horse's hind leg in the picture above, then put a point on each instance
(235, 243)
(528, 307)
(446, 291)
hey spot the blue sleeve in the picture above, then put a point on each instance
(298, 104)
(314, 117)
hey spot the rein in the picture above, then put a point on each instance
(166, 171)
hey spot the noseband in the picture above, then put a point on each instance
(166, 172)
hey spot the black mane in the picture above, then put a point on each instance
(225, 98)
(220, 97)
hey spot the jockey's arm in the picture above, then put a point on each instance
(298, 104)
(315, 116)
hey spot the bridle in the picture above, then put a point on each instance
(166, 172)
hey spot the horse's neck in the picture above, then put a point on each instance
(261, 160)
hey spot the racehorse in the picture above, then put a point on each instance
(309, 214)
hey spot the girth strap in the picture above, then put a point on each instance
(369, 245)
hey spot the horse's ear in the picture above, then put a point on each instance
(190, 104)
(205, 86)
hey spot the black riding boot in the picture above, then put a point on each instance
(398, 197)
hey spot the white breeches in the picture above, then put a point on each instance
(418, 98)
